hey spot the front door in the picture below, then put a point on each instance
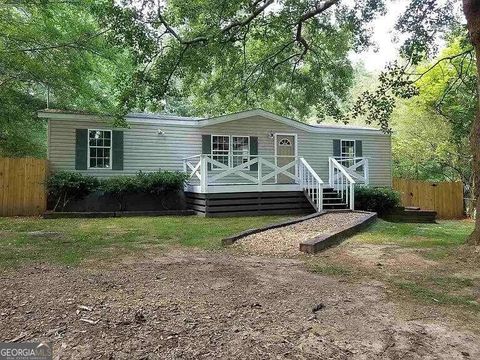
(285, 154)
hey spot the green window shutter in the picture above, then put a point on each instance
(117, 150)
(358, 148)
(336, 147)
(81, 149)
(358, 153)
(207, 147)
(254, 151)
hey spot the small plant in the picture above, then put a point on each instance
(65, 186)
(379, 200)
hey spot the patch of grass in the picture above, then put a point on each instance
(429, 295)
(444, 234)
(69, 241)
(451, 282)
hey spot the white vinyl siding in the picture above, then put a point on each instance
(146, 150)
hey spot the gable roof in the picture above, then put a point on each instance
(167, 119)
(282, 119)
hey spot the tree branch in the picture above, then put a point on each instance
(249, 19)
(439, 61)
(318, 8)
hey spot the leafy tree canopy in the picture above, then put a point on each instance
(50, 52)
(287, 56)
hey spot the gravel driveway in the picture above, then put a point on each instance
(285, 241)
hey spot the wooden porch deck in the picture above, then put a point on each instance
(258, 185)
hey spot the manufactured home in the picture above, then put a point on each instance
(251, 162)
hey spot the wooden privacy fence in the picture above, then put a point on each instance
(446, 198)
(22, 186)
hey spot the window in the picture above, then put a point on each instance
(240, 150)
(221, 150)
(347, 152)
(230, 150)
(99, 149)
(285, 142)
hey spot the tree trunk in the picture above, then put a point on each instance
(471, 9)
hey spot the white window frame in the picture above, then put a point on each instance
(248, 148)
(111, 149)
(341, 147)
(230, 149)
(342, 157)
(214, 167)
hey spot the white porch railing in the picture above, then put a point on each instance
(311, 183)
(341, 180)
(258, 173)
(356, 167)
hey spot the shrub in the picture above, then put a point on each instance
(160, 181)
(151, 183)
(65, 186)
(379, 200)
(121, 186)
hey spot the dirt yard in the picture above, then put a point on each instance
(193, 304)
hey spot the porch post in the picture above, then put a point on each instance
(330, 172)
(366, 172)
(352, 196)
(259, 169)
(203, 173)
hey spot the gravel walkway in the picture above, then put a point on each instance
(285, 241)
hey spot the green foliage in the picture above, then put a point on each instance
(152, 182)
(65, 186)
(290, 57)
(449, 89)
(51, 53)
(157, 182)
(431, 130)
(120, 185)
(379, 200)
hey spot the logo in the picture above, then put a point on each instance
(25, 351)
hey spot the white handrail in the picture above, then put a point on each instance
(309, 168)
(342, 169)
(311, 184)
(342, 182)
(351, 165)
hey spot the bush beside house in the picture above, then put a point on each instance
(156, 191)
(379, 200)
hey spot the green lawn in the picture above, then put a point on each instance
(442, 234)
(70, 241)
(429, 263)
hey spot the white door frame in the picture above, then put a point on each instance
(295, 138)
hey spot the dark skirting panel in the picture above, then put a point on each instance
(249, 203)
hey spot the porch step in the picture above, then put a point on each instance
(332, 199)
